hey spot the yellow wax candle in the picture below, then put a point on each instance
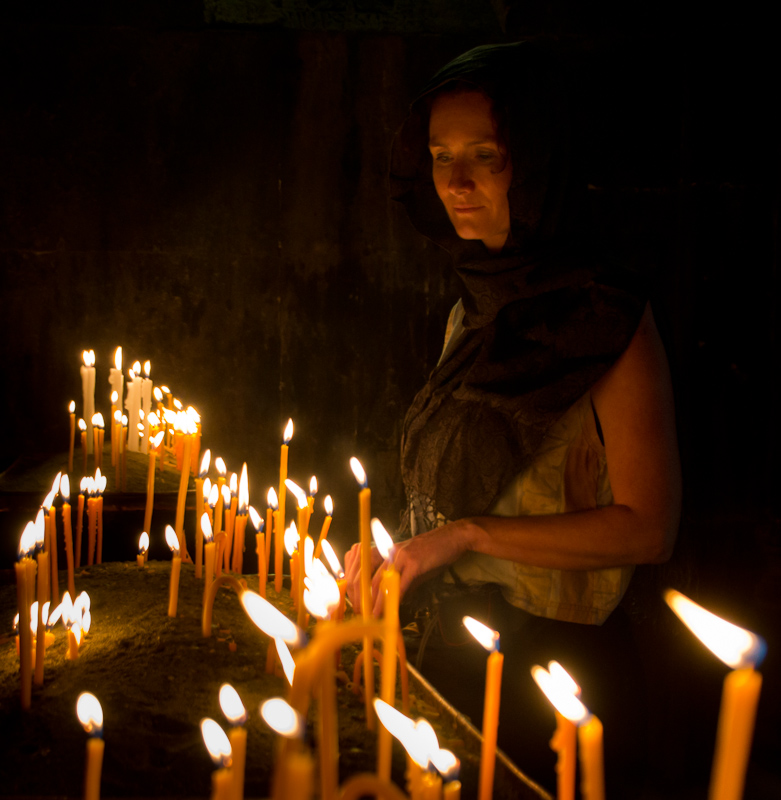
(198, 532)
(221, 784)
(99, 526)
(91, 717)
(43, 586)
(208, 556)
(25, 635)
(329, 510)
(280, 528)
(260, 547)
(150, 482)
(123, 452)
(83, 430)
(564, 742)
(68, 537)
(176, 566)
(303, 524)
(329, 730)
(234, 710)
(91, 530)
(299, 776)
(74, 634)
(270, 524)
(183, 482)
(79, 526)
(54, 592)
(451, 790)
(591, 759)
(220, 501)
(230, 529)
(72, 437)
(739, 701)
(430, 786)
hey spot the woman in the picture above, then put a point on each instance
(541, 455)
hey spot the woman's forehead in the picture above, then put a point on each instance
(465, 116)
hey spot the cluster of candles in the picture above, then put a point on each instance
(318, 589)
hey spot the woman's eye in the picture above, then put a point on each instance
(443, 158)
(486, 156)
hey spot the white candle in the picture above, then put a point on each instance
(88, 392)
(115, 378)
(133, 406)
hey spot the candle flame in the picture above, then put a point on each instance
(298, 493)
(72, 407)
(88, 356)
(286, 659)
(288, 432)
(143, 543)
(118, 416)
(282, 718)
(417, 738)
(56, 483)
(382, 539)
(90, 713)
(219, 465)
(563, 678)
(487, 638)
(446, 764)
(291, 539)
(40, 529)
(256, 519)
(231, 705)
(233, 483)
(48, 501)
(157, 440)
(82, 425)
(735, 646)
(84, 485)
(34, 617)
(272, 501)
(206, 526)
(214, 495)
(114, 398)
(226, 494)
(358, 471)
(205, 461)
(321, 593)
(137, 367)
(27, 540)
(270, 620)
(118, 358)
(243, 489)
(313, 486)
(97, 420)
(216, 741)
(560, 695)
(172, 540)
(158, 394)
(65, 488)
(328, 505)
(147, 368)
(330, 557)
(193, 415)
(206, 489)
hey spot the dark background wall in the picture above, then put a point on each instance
(203, 183)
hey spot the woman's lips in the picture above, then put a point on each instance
(466, 209)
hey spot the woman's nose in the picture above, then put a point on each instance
(461, 181)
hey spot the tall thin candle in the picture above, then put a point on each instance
(280, 527)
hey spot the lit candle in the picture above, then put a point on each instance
(51, 545)
(187, 430)
(43, 593)
(260, 549)
(303, 525)
(312, 492)
(294, 772)
(236, 714)
(133, 406)
(341, 581)
(271, 513)
(150, 481)
(72, 621)
(146, 403)
(88, 394)
(199, 498)
(116, 381)
(100, 483)
(90, 715)
(72, 438)
(219, 748)
(231, 503)
(211, 504)
(176, 565)
(123, 450)
(488, 639)
(389, 589)
(559, 687)
(364, 517)
(221, 471)
(291, 543)
(743, 651)
(83, 432)
(80, 518)
(208, 557)
(65, 491)
(280, 527)
(328, 505)
(24, 576)
(240, 524)
(143, 547)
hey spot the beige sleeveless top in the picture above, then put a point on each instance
(569, 474)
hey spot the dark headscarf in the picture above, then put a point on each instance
(544, 319)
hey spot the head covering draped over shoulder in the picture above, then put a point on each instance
(544, 319)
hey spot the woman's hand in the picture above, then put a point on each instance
(352, 573)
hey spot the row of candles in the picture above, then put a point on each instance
(312, 591)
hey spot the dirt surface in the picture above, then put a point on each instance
(156, 678)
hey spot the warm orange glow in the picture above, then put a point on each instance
(273, 502)
(282, 718)
(288, 433)
(255, 519)
(226, 494)
(40, 529)
(560, 695)
(158, 394)
(165, 390)
(27, 540)
(114, 398)
(291, 539)
(48, 501)
(381, 538)
(214, 495)
(270, 620)
(328, 505)
(358, 471)
(147, 368)
(154, 442)
(286, 659)
(143, 543)
(82, 425)
(118, 358)
(205, 461)
(735, 646)
(136, 367)
(219, 465)
(563, 678)
(216, 742)
(297, 492)
(231, 705)
(72, 407)
(487, 638)
(399, 725)
(417, 738)
(446, 764)
(118, 416)
(172, 540)
(233, 483)
(243, 490)
(90, 713)
(312, 486)
(321, 592)
(88, 356)
(206, 489)
(65, 488)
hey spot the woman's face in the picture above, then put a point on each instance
(472, 170)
